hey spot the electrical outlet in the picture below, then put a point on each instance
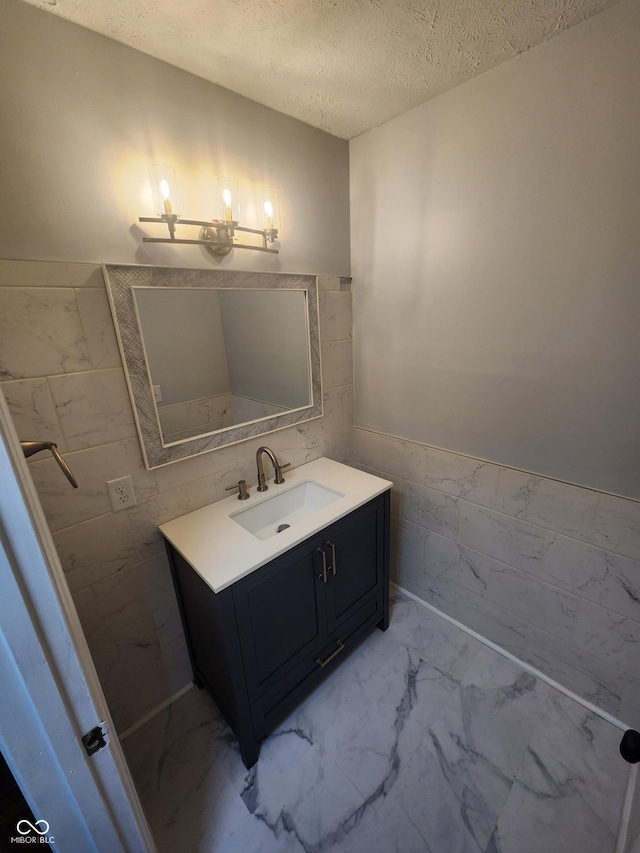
(157, 393)
(121, 493)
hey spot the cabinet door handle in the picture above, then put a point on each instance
(335, 652)
(333, 557)
(323, 576)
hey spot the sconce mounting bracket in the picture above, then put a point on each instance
(216, 241)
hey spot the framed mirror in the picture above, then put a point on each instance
(214, 357)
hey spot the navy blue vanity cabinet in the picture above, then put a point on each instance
(261, 644)
(354, 547)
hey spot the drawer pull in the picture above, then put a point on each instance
(323, 576)
(335, 652)
(333, 557)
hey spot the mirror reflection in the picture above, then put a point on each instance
(218, 358)
(215, 357)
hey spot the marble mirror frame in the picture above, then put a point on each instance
(121, 279)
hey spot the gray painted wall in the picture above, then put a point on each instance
(184, 342)
(84, 116)
(501, 320)
(267, 347)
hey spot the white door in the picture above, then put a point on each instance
(50, 695)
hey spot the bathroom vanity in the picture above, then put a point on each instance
(267, 613)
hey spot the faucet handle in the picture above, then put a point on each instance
(243, 492)
(279, 479)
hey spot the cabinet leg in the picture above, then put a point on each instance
(248, 752)
(383, 624)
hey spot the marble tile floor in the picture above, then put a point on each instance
(424, 740)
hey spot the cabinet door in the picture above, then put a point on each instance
(355, 553)
(281, 616)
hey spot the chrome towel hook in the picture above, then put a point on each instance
(31, 447)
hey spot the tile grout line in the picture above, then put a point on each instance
(396, 479)
(496, 464)
(619, 724)
(630, 787)
(523, 573)
(154, 712)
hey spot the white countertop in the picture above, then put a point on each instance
(222, 551)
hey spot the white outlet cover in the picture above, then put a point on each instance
(121, 493)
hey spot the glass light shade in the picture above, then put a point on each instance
(228, 198)
(269, 209)
(165, 189)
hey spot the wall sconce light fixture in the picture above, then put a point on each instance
(216, 235)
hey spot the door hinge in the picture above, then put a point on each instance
(95, 740)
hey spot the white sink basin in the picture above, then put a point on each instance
(284, 509)
(220, 547)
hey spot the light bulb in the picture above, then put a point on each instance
(228, 212)
(166, 195)
(228, 196)
(268, 214)
(165, 190)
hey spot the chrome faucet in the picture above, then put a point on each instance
(277, 467)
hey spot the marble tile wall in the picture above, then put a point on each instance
(183, 420)
(248, 409)
(549, 571)
(61, 373)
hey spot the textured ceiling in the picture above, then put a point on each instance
(344, 66)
